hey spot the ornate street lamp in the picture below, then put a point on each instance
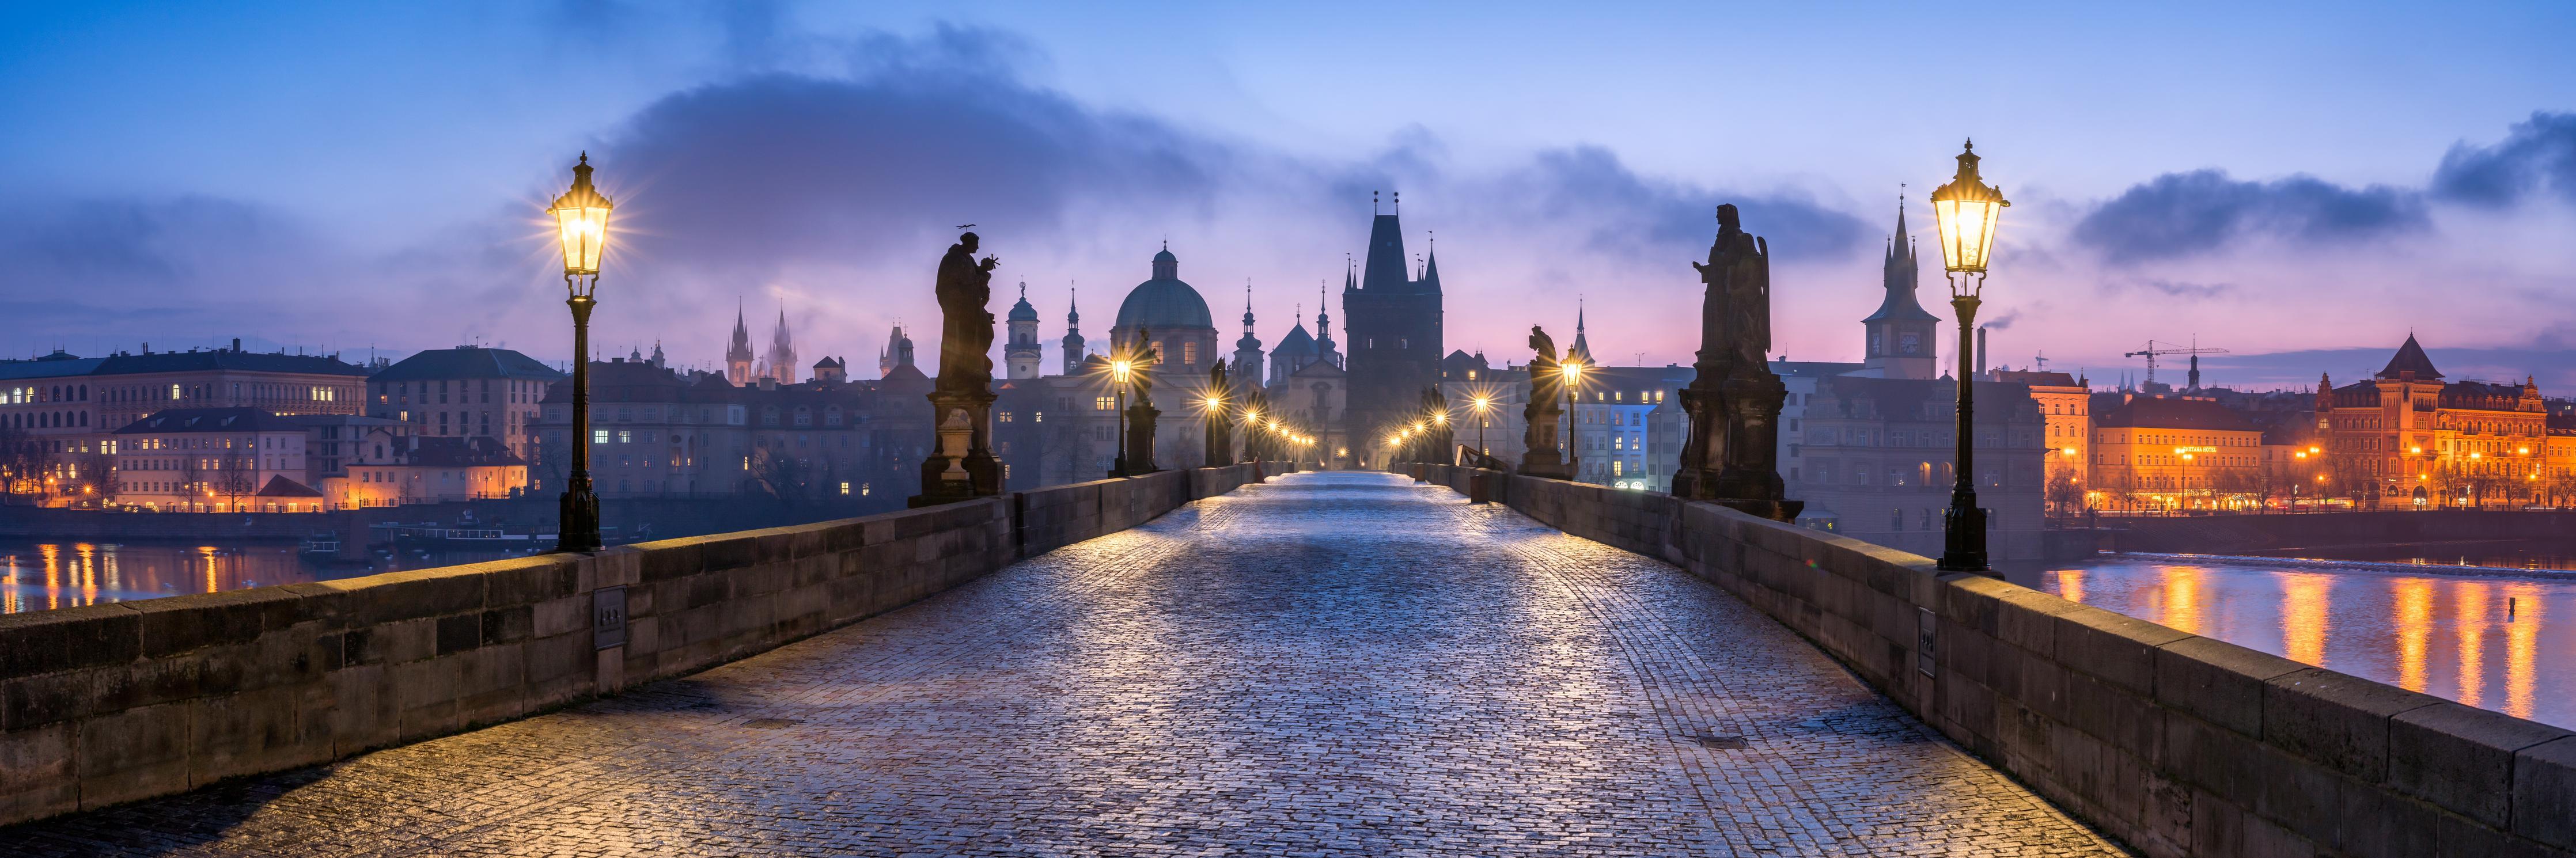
(1120, 371)
(1966, 210)
(581, 225)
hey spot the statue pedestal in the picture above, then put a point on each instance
(962, 467)
(1775, 510)
(1731, 456)
(1546, 464)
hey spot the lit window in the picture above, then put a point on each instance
(599, 436)
(845, 487)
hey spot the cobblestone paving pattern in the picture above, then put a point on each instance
(1340, 664)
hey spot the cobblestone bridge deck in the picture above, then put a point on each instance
(1334, 664)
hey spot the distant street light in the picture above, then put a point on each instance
(581, 226)
(1484, 406)
(1966, 210)
(1573, 372)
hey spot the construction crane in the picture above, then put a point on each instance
(2151, 352)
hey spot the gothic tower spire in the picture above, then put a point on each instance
(1073, 345)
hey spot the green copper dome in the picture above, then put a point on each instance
(1164, 302)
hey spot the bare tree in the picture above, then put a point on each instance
(23, 462)
(192, 478)
(94, 478)
(235, 479)
(2064, 494)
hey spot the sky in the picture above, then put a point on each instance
(2301, 184)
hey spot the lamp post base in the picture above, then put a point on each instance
(1964, 548)
(579, 517)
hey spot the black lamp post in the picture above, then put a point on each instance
(581, 224)
(1120, 371)
(1966, 210)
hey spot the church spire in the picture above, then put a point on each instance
(1431, 267)
(1581, 351)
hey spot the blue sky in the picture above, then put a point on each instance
(2294, 179)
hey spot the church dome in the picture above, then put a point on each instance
(1164, 302)
(1022, 312)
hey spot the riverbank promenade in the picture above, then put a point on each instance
(1325, 664)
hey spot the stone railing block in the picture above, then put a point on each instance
(38, 642)
(2462, 758)
(2544, 793)
(2336, 720)
(2117, 648)
(2217, 681)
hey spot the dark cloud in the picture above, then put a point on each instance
(2181, 214)
(2536, 157)
(1588, 187)
(781, 168)
(2173, 288)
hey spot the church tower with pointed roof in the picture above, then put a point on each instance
(1581, 350)
(1247, 350)
(1393, 325)
(897, 353)
(1073, 344)
(1900, 334)
(782, 352)
(738, 356)
(1021, 354)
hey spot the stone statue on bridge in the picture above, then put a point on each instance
(1540, 457)
(961, 465)
(1731, 454)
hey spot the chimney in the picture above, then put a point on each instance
(1981, 351)
(236, 344)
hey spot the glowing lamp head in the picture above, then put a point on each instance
(1441, 418)
(1120, 368)
(1966, 210)
(581, 223)
(2067, 452)
(1483, 402)
(2415, 450)
(1418, 425)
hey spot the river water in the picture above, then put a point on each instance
(36, 576)
(2497, 638)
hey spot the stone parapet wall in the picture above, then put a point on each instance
(2175, 744)
(114, 702)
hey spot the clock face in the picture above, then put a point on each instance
(1907, 344)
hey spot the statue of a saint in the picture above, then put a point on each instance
(966, 334)
(1735, 320)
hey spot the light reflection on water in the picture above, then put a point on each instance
(2449, 636)
(43, 576)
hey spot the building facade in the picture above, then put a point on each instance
(465, 392)
(2407, 438)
